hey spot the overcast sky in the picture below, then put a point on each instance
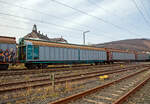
(107, 20)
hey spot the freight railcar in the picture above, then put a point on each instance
(39, 53)
(143, 56)
(120, 55)
(7, 51)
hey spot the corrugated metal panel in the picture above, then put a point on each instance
(104, 55)
(97, 55)
(30, 52)
(60, 54)
(53, 44)
(68, 51)
(41, 53)
(81, 54)
(89, 54)
(46, 56)
(143, 56)
(122, 56)
(76, 54)
(35, 53)
(71, 53)
(51, 50)
(65, 54)
(92, 55)
(55, 53)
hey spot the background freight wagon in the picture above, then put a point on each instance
(7, 51)
(118, 55)
(143, 57)
(42, 53)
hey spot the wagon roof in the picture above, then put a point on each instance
(142, 53)
(66, 45)
(9, 40)
(118, 50)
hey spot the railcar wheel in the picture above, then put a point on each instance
(4, 66)
(34, 66)
(44, 66)
(96, 63)
(39, 66)
(30, 66)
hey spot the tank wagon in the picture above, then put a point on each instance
(39, 54)
(7, 51)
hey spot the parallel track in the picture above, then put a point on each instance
(44, 82)
(59, 69)
(131, 92)
(84, 98)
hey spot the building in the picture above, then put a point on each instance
(37, 35)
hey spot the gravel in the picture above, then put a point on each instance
(140, 97)
(43, 96)
(105, 95)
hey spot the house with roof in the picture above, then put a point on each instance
(37, 35)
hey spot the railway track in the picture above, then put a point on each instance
(131, 92)
(46, 76)
(142, 96)
(114, 92)
(21, 78)
(54, 69)
(31, 77)
(60, 79)
(47, 83)
(59, 69)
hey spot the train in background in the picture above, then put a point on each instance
(8, 51)
(37, 54)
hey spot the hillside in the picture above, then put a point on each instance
(129, 44)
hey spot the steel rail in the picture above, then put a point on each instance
(93, 90)
(132, 91)
(23, 72)
(61, 77)
(57, 82)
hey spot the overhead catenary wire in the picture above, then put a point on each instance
(15, 27)
(40, 21)
(37, 11)
(93, 16)
(34, 10)
(31, 23)
(141, 13)
(144, 8)
(107, 11)
(75, 30)
(24, 29)
(91, 2)
(101, 34)
(35, 20)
